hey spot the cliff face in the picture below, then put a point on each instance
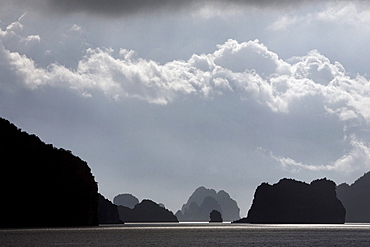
(107, 212)
(291, 201)
(41, 185)
(201, 203)
(146, 211)
(356, 199)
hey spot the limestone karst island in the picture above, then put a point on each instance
(45, 186)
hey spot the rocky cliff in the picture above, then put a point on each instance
(291, 201)
(41, 185)
(146, 211)
(356, 199)
(107, 212)
(201, 203)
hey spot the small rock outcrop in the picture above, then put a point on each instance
(201, 203)
(356, 199)
(58, 187)
(126, 200)
(215, 217)
(290, 201)
(107, 212)
(146, 211)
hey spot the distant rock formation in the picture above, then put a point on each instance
(215, 217)
(41, 185)
(126, 200)
(107, 212)
(356, 199)
(203, 201)
(290, 201)
(146, 211)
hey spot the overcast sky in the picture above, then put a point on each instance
(161, 97)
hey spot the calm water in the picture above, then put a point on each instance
(191, 235)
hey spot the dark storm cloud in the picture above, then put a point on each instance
(114, 8)
(117, 7)
(127, 7)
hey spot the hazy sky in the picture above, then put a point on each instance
(161, 97)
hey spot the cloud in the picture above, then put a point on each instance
(205, 7)
(24, 68)
(356, 159)
(248, 69)
(349, 13)
(345, 13)
(249, 56)
(13, 37)
(113, 8)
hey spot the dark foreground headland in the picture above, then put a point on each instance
(294, 202)
(41, 185)
(108, 212)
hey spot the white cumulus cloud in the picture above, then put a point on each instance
(248, 69)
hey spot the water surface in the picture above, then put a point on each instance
(191, 234)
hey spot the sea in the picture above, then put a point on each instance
(191, 234)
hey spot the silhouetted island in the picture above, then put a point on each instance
(107, 212)
(290, 201)
(356, 199)
(215, 217)
(126, 200)
(201, 203)
(146, 211)
(41, 185)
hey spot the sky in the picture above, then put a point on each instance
(162, 97)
